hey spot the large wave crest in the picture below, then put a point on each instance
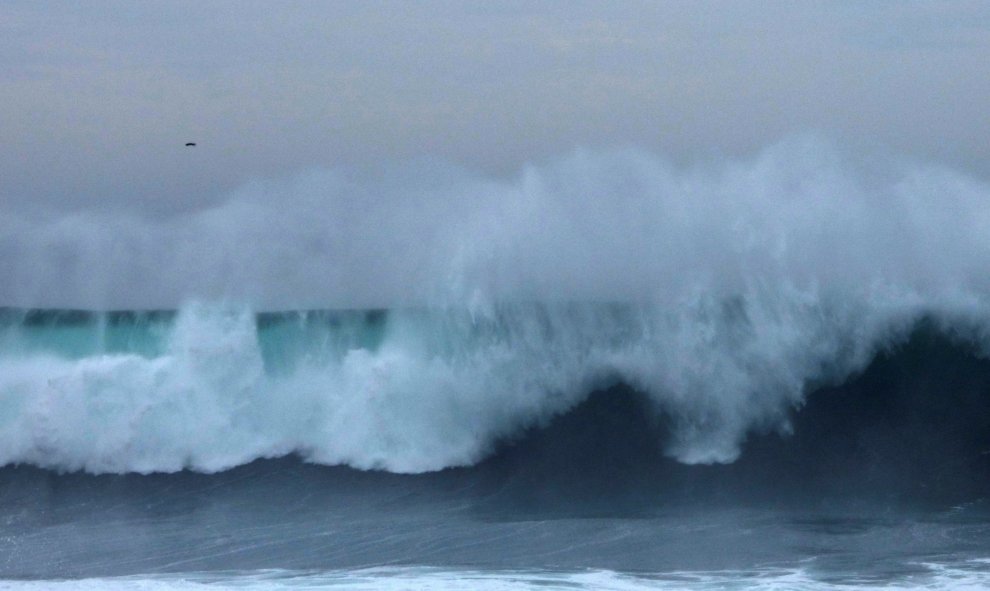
(722, 294)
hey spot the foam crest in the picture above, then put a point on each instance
(721, 293)
(619, 225)
(437, 388)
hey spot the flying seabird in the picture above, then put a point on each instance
(190, 144)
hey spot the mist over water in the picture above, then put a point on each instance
(611, 225)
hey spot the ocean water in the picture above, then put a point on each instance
(608, 373)
(213, 447)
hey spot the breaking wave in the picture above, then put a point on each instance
(212, 387)
(723, 295)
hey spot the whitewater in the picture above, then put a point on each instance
(416, 391)
(432, 379)
(721, 294)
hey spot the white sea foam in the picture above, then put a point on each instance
(439, 390)
(961, 577)
(738, 286)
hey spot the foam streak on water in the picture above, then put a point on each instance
(971, 576)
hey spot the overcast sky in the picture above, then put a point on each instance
(98, 98)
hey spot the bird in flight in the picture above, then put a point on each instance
(190, 144)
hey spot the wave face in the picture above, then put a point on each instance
(723, 294)
(210, 387)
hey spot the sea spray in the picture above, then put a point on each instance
(477, 307)
(415, 390)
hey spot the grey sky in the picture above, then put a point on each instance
(96, 99)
